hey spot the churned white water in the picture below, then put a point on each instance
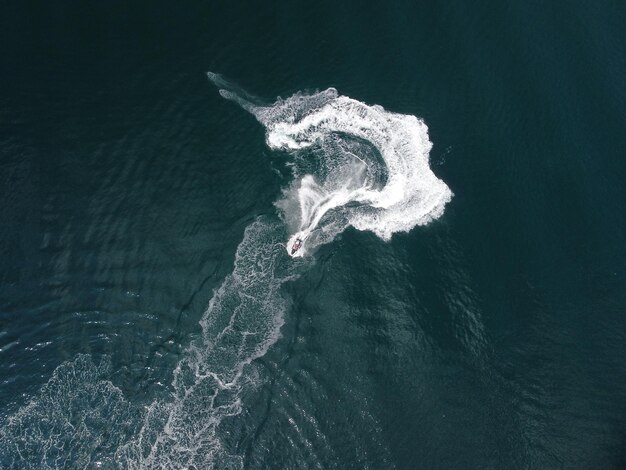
(344, 188)
(354, 165)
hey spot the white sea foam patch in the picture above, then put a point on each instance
(242, 321)
(352, 145)
(81, 420)
(77, 420)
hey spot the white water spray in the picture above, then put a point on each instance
(342, 188)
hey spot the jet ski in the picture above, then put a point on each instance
(296, 246)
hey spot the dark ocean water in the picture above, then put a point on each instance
(132, 194)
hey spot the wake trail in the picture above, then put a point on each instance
(338, 190)
(353, 165)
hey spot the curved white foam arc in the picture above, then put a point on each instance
(314, 204)
(412, 194)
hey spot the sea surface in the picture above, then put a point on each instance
(456, 171)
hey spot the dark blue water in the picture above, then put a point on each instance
(150, 316)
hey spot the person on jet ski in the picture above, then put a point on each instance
(296, 246)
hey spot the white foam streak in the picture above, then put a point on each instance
(412, 194)
(242, 321)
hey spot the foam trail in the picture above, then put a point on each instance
(62, 427)
(330, 195)
(243, 320)
(231, 91)
(354, 165)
